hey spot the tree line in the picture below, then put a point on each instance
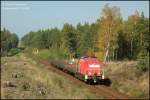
(110, 37)
(8, 41)
(73, 40)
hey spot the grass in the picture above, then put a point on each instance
(125, 76)
(45, 54)
(21, 78)
(127, 79)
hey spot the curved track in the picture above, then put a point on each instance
(100, 90)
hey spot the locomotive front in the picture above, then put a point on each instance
(91, 69)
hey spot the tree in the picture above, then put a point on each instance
(142, 50)
(14, 40)
(133, 21)
(94, 30)
(8, 41)
(109, 26)
(69, 38)
(56, 38)
(27, 39)
(123, 47)
(143, 33)
(38, 41)
(86, 38)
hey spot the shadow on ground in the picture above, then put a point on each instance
(106, 82)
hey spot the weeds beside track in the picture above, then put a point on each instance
(101, 90)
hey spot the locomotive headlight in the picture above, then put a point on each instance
(86, 77)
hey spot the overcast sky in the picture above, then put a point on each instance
(21, 17)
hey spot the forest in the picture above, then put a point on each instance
(110, 38)
(9, 41)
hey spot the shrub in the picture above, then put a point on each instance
(13, 51)
(52, 53)
(143, 61)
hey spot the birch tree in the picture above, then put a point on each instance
(109, 25)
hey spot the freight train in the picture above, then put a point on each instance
(87, 68)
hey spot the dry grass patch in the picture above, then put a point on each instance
(32, 81)
(127, 79)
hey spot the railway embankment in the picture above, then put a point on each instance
(24, 78)
(124, 77)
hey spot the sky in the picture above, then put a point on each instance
(21, 17)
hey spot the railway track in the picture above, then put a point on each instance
(100, 90)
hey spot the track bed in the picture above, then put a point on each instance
(101, 90)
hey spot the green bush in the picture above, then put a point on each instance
(13, 51)
(53, 53)
(143, 61)
(47, 54)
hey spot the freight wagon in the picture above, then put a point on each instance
(87, 68)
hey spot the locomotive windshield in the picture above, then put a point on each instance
(89, 59)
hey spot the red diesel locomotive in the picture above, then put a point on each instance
(90, 69)
(87, 68)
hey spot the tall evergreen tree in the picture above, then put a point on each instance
(69, 38)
